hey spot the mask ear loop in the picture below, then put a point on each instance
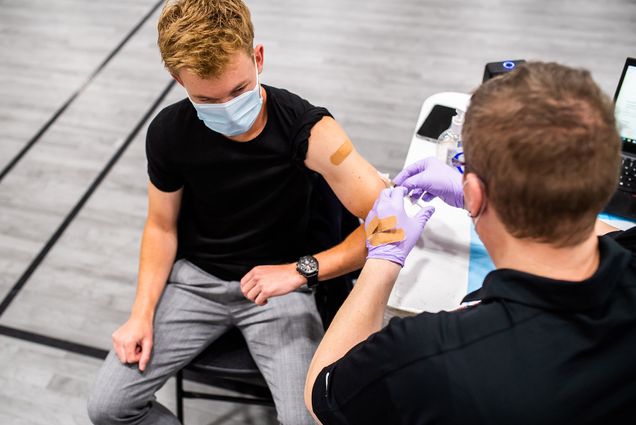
(258, 78)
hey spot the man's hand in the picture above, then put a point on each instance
(264, 282)
(133, 342)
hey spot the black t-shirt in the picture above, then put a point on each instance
(532, 351)
(244, 203)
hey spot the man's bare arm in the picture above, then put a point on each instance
(158, 248)
(132, 342)
(356, 184)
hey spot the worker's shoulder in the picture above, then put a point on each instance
(626, 239)
(472, 327)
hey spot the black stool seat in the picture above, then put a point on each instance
(228, 357)
(228, 364)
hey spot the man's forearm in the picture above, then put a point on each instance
(360, 316)
(158, 251)
(347, 256)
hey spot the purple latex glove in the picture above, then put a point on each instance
(430, 178)
(390, 206)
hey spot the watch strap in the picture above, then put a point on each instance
(312, 280)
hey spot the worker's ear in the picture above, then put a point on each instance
(474, 194)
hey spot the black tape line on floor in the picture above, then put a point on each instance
(48, 341)
(70, 100)
(80, 204)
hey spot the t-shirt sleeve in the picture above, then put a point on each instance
(297, 117)
(164, 174)
(302, 131)
(365, 385)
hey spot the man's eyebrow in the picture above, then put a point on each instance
(240, 86)
(214, 99)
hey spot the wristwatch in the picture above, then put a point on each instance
(308, 267)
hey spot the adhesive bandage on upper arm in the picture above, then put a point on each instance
(342, 153)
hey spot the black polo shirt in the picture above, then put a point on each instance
(533, 351)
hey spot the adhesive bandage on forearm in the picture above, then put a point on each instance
(382, 231)
(342, 153)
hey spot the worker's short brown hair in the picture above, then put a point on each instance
(544, 141)
(203, 35)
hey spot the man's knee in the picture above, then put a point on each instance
(110, 410)
(103, 410)
(108, 404)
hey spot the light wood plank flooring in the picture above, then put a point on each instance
(371, 62)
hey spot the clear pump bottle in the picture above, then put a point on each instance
(449, 142)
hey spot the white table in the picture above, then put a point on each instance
(435, 276)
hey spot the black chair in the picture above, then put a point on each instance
(227, 362)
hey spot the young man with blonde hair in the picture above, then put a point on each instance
(231, 176)
(551, 336)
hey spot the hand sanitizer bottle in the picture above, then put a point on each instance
(449, 141)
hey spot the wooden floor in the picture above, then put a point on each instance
(370, 62)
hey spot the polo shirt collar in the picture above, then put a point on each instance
(545, 293)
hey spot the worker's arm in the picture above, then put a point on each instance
(356, 184)
(132, 342)
(392, 235)
(360, 316)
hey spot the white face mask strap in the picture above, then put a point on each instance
(478, 216)
(258, 80)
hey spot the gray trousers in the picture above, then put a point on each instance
(194, 310)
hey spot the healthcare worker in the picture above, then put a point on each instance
(550, 338)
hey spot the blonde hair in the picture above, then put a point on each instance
(202, 35)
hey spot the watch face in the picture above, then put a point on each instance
(307, 265)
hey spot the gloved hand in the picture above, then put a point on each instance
(391, 233)
(430, 178)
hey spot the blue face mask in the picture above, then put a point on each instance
(233, 117)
